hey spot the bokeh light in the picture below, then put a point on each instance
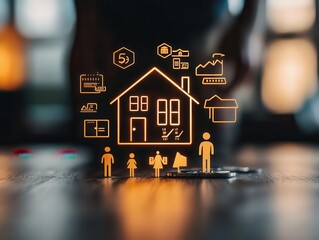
(290, 75)
(12, 60)
(291, 16)
(45, 19)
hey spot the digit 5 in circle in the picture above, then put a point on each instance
(123, 57)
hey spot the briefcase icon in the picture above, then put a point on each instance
(151, 160)
(165, 160)
(164, 50)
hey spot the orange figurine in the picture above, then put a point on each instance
(131, 164)
(108, 160)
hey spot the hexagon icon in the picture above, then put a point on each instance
(123, 57)
(164, 50)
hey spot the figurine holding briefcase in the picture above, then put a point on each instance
(158, 161)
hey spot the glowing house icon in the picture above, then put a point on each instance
(155, 110)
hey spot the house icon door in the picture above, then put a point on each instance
(138, 129)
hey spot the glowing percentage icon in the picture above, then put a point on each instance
(123, 57)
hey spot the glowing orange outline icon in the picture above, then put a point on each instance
(92, 83)
(123, 57)
(180, 53)
(166, 117)
(96, 128)
(212, 71)
(89, 108)
(217, 105)
(164, 50)
(178, 64)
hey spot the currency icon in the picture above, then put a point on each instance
(123, 58)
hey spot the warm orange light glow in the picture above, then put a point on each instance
(146, 207)
(291, 15)
(12, 60)
(290, 75)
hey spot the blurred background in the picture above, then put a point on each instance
(276, 51)
(271, 66)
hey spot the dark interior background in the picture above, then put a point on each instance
(270, 65)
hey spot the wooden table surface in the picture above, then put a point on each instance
(49, 197)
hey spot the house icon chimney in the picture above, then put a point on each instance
(185, 83)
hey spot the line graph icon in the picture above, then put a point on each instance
(212, 71)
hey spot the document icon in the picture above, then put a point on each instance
(96, 128)
(92, 83)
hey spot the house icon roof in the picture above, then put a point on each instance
(217, 102)
(154, 69)
(180, 53)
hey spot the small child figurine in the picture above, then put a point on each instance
(131, 164)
